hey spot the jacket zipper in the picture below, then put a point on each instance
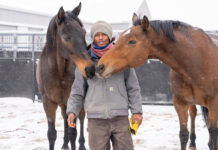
(107, 103)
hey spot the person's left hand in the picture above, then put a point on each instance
(137, 117)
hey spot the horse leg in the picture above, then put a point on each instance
(212, 120)
(193, 113)
(50, 110)
(81, 137)
(182, 111)
(66, 139)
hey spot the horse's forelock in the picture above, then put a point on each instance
(72, 15)
(137, 22)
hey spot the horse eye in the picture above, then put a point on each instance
(132, 42)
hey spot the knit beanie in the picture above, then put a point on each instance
(101, 26)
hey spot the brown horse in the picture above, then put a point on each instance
(65, 48)
(191, 54)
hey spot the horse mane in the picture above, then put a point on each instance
(52, 30)
(51, 34)
(165, 26)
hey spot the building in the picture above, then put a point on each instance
(21, 28)
(144, 10)
(19, 20)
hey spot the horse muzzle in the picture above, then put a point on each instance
(100, 69)
(90, 72)
(102, 72)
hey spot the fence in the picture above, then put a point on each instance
(20, 52)
(20, 46)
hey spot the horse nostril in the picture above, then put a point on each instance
(100, 68)
(90, 71)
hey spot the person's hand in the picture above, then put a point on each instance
(137, 117)
(70, 120)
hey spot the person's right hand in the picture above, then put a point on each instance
(70, 120)
(137, 117)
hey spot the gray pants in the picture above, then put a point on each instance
(101, 131)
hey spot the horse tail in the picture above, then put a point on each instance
(204, 111)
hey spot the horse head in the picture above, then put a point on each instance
(129, 50)
(71, 40)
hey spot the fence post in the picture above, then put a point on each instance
(33, 46)
(15, 47)
(33, 68)
(1, 42)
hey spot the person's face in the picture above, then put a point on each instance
(101, 39)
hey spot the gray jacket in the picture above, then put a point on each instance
(105, 98)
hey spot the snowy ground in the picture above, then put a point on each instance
(23, 126)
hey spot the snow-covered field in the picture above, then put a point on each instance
(23, 126)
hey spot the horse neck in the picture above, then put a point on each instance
(53, 50)
(55, 60)
(60, 58)
(191, 59)
(61, 64)
(166, 55)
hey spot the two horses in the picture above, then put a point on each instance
(190, 53)
(65, 49)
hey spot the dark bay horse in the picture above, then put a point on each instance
(65, 48)
(192, 56)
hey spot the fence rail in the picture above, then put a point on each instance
(18, 57)
(21, 46)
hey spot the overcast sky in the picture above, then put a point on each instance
(200, 13)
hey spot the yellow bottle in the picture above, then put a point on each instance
(133, 128)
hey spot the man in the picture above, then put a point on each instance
(106, 101)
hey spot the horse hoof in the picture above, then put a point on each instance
(64, 148)
(192, 148)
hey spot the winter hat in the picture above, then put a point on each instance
(101, 26)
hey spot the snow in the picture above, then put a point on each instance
(23, 126)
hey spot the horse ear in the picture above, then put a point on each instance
(76, 10)
(134, 18)
(145, 23)
(60, 15)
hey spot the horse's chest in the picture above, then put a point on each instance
(66, 82)
(185, 88)
(198, 95)
(194, 95)
(67, 77)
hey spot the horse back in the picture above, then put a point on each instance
(214, 38)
